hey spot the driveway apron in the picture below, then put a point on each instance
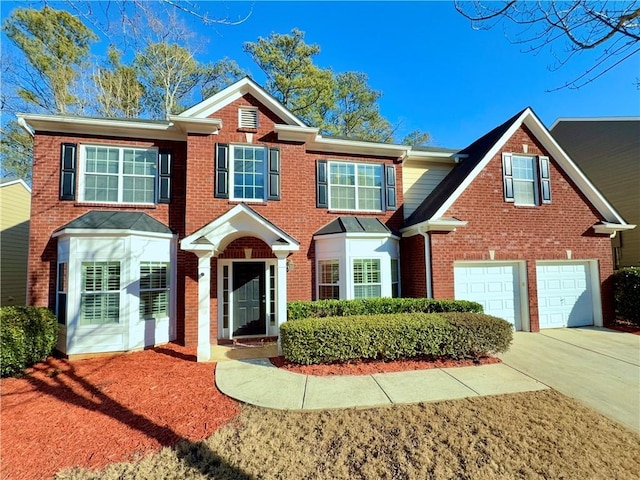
(596, 366)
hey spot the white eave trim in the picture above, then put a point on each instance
(433, 156)
(204, 126)
(109, 232)
(434, 225)
(235, 91)
(541, 133)
(593, 119)
(100, 126)
(611, 228)
(17, 181)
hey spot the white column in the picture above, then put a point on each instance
(281, 293)
(204, 306)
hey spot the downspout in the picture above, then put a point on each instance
(427, 261)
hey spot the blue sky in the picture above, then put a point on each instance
(436, 73)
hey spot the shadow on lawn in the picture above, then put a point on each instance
(195, 454)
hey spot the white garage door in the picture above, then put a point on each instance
(495, 287)
(564, 295)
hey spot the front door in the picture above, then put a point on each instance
(249, 316)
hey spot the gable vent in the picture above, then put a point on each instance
(248, 117)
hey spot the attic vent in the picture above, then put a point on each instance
(248, 117)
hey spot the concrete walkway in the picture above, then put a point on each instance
(258, 382)
(596, 366)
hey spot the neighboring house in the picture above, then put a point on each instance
(607, 150)
(15, 209)
(200, 228)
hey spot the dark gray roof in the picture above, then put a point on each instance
(475, 153)
(99, 220)
(354, 225)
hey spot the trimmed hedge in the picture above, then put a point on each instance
(376, 306)
(627, 293)
(393, 336)
(27, 336)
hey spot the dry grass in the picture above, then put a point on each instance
(528, 435)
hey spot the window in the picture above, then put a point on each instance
(524, 187)
(248, 117)
(100, 294)
(154, 290)
(118, 174)
(527, 179)
(366, 278)
(355, 186)
(225, 296)
(61, 299)
(328, 279)
(248, 172)
(395, 278)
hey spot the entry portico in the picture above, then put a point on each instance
(252, 278)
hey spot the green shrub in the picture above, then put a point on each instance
(376, 306)
(27, 336)
(627, 293)
(393, 336)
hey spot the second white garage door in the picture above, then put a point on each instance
(564, 294)
(495, 287)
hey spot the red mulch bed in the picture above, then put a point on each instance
(93, 412)
(625, 326)
(368, 367)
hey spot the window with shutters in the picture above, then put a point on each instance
(526, 179)
(112, 174)
(247, 172)
(100, 293)
(154, 290)
(248, 118)
(355, 186)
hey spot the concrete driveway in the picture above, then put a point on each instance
(596, 366)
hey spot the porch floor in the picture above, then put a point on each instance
(243, 350)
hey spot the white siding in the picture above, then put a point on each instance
(419, 178)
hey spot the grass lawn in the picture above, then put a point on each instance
(527, 435)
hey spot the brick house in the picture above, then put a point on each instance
(200, 228)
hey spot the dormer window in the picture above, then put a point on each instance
(248, 118)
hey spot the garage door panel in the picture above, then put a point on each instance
(564, 295)
(495, 287)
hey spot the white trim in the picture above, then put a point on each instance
(100, 126)
(107, 232)
(444, 224)
(611, 228)
(235, 91)
(204, 126)
(540, 132)
(18, 181)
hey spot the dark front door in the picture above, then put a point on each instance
(249, 299)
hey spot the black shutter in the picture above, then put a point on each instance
(222, 171)
(545, 179)
(322, 185)
(165, 161)
(390, 182)
(68, 171)
(507, 176)
(274, 174)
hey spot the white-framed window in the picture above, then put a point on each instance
(61, 296)
(112, 174)
(328, 279)
(367, 278)
(248, 171)
(248, 117)
(524, 180)
(154, 290)
(355, 186)
(395, 278)
(100, 293)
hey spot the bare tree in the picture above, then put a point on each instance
(612, 29)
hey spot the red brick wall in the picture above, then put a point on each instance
(194, 206)
(542, 232)
(412, 267)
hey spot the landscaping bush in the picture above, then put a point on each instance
(627, 293)
(393, 336)
(27, 336)
(376, 306)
